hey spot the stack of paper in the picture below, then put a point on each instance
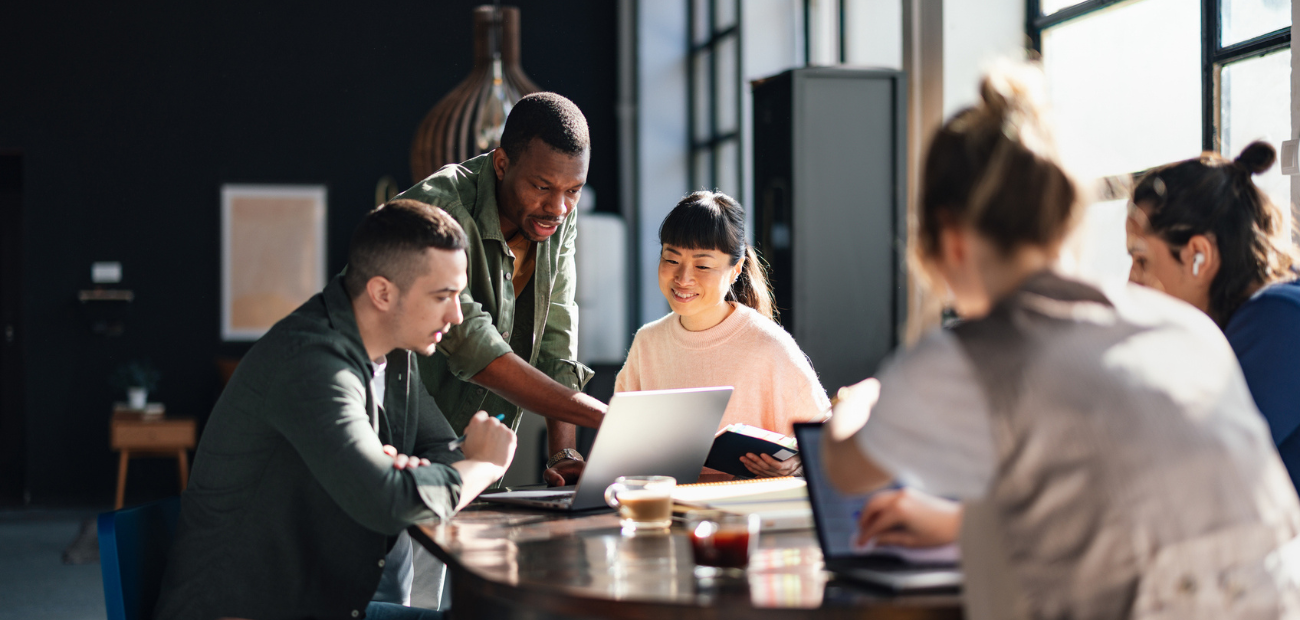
(781, 503)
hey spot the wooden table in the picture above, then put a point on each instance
(514, 563)
(133, 435)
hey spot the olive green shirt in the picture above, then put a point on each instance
(549, 341)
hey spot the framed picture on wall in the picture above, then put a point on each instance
(272, 254)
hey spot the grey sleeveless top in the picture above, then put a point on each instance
(1134, 476)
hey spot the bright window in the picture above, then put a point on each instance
(1116, 115)
(1242, 20)
(1256, 93)
(1136, 84)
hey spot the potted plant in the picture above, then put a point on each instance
(138, 379)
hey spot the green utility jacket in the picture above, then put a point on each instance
(292, 504)
(468, 193)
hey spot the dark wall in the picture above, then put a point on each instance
(130, 117)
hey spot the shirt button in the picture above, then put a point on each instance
(355, 613)
(479, 391)
(505, 334)
(381, 564)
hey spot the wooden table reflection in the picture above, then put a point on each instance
(515, 562)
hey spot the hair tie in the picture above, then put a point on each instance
(1158, 186)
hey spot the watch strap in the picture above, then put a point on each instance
(566, 454)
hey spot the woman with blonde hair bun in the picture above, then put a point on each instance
(1104, 447)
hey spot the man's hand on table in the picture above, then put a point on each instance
(401, 461)
(564, 472)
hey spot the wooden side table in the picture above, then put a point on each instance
(133, 434)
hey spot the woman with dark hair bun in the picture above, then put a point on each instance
(721, 329)
(1202, 231)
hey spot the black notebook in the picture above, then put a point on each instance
(737, 440)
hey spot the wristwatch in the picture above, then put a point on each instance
(565, 454)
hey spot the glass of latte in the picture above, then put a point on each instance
(643, 502)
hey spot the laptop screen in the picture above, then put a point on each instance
(834, 514)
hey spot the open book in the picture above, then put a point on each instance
(737, 440)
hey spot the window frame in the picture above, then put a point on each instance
(710, 145)
(1213, 55)
(841, 28)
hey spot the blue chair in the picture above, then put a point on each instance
(133, 545)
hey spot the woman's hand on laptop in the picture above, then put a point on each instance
(909, 518)
(765, 466)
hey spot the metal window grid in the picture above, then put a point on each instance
(709, 145)
(1213, 55)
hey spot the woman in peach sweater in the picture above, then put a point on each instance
(721, 330)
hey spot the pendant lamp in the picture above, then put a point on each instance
(469, 120)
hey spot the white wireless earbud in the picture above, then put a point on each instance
(1197, 261)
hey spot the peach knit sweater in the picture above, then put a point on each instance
(775, 386)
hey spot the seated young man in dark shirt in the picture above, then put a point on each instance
(309, 466)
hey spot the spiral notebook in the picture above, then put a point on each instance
(781, 503)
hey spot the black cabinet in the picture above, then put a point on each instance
(830, 190)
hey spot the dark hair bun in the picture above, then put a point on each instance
(1257, 157)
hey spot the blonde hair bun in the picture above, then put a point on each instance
(995, 167)
(1013, 101)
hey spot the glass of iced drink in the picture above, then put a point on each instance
(721, 542)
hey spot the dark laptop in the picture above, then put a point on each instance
(835, 516)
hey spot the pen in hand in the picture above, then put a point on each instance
(456, 443)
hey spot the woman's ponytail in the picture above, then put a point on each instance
(1255, 159)
(752, 288)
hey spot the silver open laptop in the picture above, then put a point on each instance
(653, 433)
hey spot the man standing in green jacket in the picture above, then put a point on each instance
(323, 447)
(517, 348)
